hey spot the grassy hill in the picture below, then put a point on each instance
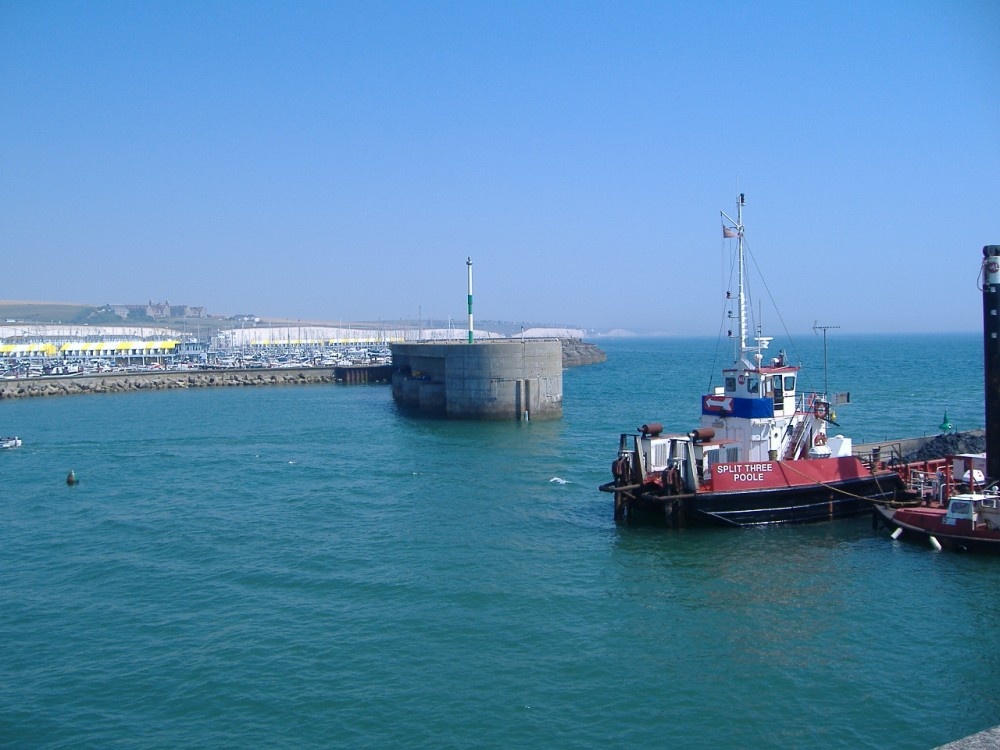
(19, 311)
(80, 314)
(44, 312)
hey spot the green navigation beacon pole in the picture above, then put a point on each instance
(469, 264)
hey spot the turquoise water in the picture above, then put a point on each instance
(304, 567)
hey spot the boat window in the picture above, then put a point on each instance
(959, 508)
(789, 382)
(730, 384)
(753, 385)
(710, 458)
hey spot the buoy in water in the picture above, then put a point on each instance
(71, 478)
(935, 544)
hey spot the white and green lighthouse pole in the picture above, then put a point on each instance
(469, 264)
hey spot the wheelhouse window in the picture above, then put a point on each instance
(730, 385)
(960, 508)
(789, 382)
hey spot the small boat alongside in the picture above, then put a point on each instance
(11, 441)
(762, 453)
(959, 503)
(968, 522)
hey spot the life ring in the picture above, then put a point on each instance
(820, 439)
(821, 409)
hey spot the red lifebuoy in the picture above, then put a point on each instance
(820, 439)
(821, 409)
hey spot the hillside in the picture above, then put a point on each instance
(28, 312)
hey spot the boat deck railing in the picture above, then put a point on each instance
(927, 485)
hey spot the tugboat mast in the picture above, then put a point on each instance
(741, 339)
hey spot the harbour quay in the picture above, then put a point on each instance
(122, 382)
(46, 370)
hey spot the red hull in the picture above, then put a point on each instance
(772, 475)
(958, 534)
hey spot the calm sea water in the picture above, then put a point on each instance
(304, 567)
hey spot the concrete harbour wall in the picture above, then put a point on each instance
(491, 379)
(431, 395)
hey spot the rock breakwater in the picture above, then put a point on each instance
(949, 444)
(576, 352)
(125, 382)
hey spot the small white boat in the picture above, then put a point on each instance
(11, 441)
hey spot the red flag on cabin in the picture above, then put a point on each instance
(727, 232)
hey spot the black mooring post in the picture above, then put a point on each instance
(991, 356)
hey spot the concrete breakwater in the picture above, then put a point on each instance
(147, 381)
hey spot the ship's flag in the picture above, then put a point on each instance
(727, 232)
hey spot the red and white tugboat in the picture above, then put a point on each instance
(761, 454)
(969, 520)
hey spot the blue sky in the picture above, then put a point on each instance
(327, 161)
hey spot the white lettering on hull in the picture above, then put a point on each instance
(743, 468)
(744, 473)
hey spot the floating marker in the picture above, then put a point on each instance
(71, 478)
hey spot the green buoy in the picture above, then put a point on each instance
(946, 426)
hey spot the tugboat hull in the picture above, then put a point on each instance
(796, 505)
(844, 499)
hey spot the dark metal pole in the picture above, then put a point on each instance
(991, 356)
